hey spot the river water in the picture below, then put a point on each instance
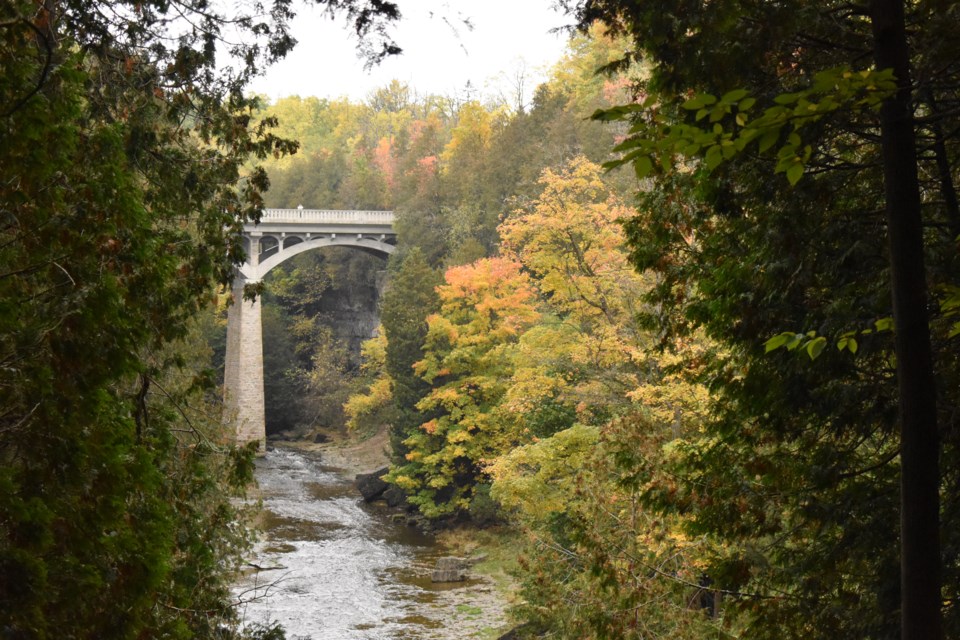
(335, 568)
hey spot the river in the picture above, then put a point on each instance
(335, 568)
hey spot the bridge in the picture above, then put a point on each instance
(280, 235)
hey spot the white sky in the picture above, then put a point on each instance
(439, 56)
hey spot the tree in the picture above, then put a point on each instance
(599, 562)
(121, 201)
(409, 300)
(371, 409)
(283, 390)
(712, 66)
(606, 412)
(319, 308)
(467, 360)
(97, 537)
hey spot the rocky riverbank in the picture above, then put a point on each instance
(350, 455)
(474, 607)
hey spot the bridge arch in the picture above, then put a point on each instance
(278, 236)
(289, 246)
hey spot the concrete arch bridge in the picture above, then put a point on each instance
(280, 235)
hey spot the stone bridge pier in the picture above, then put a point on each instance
(280, 235)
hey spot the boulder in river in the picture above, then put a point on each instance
(449, 570)
(395, 497)
(371, 485)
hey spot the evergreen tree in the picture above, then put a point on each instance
(121, 196)
(410, 298)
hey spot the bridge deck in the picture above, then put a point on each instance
(323, 217)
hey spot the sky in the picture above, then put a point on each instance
(440, 54)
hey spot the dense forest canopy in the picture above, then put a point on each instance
(451, 166)
(713, 386)
(850, 101)
(124, 179)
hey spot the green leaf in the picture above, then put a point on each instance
(666, 162)
(769, 139)
(642, 166)
(714, 157)
(795, 341)
(884, 324)
(787, 152)
(777, 341)
(794, 173)
(786, 98)
(604, 115)
(698, 102)
(630, 143)
(815, 347)
(619, 112)
(950, 302)
(734, 96)
(848, 343)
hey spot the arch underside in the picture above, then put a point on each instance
(294, 245)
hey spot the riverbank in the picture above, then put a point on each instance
(350, 454)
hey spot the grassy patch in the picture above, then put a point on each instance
(499, 545)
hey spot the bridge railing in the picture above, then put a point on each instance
(327, 216)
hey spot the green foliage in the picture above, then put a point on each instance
(535, 480)
(483, 509)
(317, 310)
(796, 474)
(727, 127)
(374, 407)
(409, 299)
(120, 192)
(283, 391)
(618, 568)
(813, 345)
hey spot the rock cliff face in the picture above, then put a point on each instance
(351, 306)
(307, 373)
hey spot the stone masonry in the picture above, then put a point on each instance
(243, 368)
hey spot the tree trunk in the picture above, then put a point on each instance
(919, 445)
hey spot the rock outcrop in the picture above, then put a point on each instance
(449, 570)
(396, 498)
(371, 485)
